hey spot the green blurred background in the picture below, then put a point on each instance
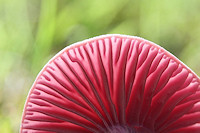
(33, 31)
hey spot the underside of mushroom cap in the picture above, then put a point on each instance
(113, 84)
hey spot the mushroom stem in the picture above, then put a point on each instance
(126, 129)
(121, 129)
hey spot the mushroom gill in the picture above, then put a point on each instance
(113, 84)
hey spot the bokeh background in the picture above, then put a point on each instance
(33, 31)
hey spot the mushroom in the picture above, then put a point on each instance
(113, 84)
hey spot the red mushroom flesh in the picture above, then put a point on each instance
(113, 84)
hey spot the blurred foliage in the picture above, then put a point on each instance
(32, 31)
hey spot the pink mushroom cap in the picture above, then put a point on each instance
(113, 84)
